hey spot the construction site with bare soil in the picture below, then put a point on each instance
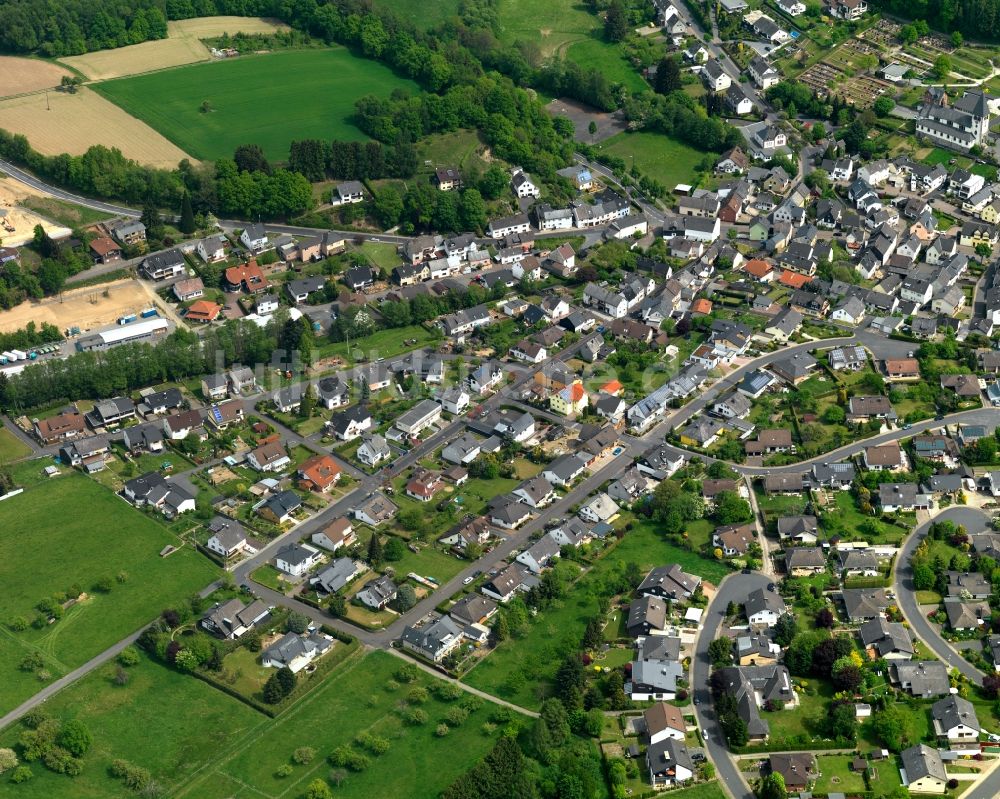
(86, 308)
(17, 224)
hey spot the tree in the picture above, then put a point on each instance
(984, 250)
(883, 106)
(957, 39)
(186, 224)
(616, 22)
(720, 652)
(395, 549)
(841, 722)
(593, 635)
(887, 725)
(338, 606)
(668, 75)
(923, 577)
(75, 738)
(388, 207)
(731, 508)
(772, 786)
(846, 675)
(406, 598)
(376, 554)
(278, 686)
(251, 158)
(942, 67)
(297, 623)
(825, 619)
(592, 128)
(501, 628)
(472, 210)
(784, 630)
(551, 730)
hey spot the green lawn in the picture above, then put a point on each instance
(71, 531)
(521, 670)
(596, 53)
(11, 447)
(65, 213)
(660, 157)
(457, 148)
(384, 256)
(192, 722)
(429, 562)
(382, 344)
(884, 776)
(836, 775)
(253, 99)
(353, 700)
(706, 790)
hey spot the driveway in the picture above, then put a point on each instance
(974, 521)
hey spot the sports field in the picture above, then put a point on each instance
(69, 531)
(57, 123)
(269, 100)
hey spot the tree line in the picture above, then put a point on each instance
(979, 19)
(58, 28)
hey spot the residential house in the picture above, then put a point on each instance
(295, 652)
(233, 619)
(763, 608)
(378, 593)
(319, 473)
(376, 509)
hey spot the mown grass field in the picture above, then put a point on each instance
(209, 745)
(268, 100)
(192, 721)
(11, 447)
(67, 531)
(521, 670)
(660, 157)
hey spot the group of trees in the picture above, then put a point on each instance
(976, 18)
(352, 160)
(70, 27)
(56, 744)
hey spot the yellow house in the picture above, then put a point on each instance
(991, 213)
(925, 770)
(570, 400)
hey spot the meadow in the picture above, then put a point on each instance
(71, 531)
(419, 13)
(269, 100)
(521, 670)
(657, 156)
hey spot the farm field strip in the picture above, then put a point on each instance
(250, 98)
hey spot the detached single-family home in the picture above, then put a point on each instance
(922, 765)
(296, 559)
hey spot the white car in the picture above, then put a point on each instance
(467, 580)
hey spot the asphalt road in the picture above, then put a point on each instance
(733, 588)
(974, 521)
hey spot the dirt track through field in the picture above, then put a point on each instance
(70, 123)
(85, 308)
(19, 75)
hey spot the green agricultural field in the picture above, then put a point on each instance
(521, 670)
(660, 157)
(71, 531)
(269, 100)
(608, 59)
(191, 719)
(65, 213)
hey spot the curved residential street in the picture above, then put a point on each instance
(733, 588)
(974, 521)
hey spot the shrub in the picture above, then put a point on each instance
(8, 760)
(34, 719)
(456, 716)
(104, 585)
(129, 656)
(448, 691)
(415, 716)
(304, 755)
(21, 774)
(297, 623)
(60, 761)
(31, 662)
(442, 730)
(375, 744)
(18, 624)
(344, 756)
(418, 695)
(407, 673)
(284, 770)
